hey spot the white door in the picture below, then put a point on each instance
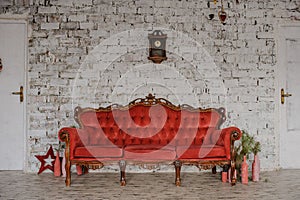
(289, 64)
(12, 132)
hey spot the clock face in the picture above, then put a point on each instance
(157, 43)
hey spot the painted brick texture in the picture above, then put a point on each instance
(94, 52)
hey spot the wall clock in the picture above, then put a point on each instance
(157, 49)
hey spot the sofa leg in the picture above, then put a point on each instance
(68, 173)
(225, 168)
(214, 170)
(122, 165)
(233, 174)
(178, 165)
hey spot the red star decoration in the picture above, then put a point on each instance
(47, 161)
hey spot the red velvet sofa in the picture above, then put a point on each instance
(149, 130)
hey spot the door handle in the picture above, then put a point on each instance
(19, 93)
(283, 95)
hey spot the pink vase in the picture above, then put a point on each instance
(63, 165)
(57, 166)
(255, 169)
(224, 177)
(244, 171)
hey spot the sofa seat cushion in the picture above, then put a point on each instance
(98, 151)
(149, 152)
(204, 151)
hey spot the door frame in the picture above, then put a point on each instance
(281, 117)
(22, 20)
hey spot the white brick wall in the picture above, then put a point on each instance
(101, 48)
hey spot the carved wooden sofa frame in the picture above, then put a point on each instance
(228, 135)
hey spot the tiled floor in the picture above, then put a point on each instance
(283, 184)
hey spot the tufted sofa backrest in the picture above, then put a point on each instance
(158, 122)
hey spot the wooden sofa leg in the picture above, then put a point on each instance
(178, 165)
(233, 174)
(122, 165)
(214, 170)
(68, 173)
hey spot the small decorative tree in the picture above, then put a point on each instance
(246, 147)
(256, 148)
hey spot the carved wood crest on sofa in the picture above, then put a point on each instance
(149, 130)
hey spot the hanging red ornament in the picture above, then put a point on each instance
(222, 14)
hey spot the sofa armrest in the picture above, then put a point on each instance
(229, 136)
(73, 137)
